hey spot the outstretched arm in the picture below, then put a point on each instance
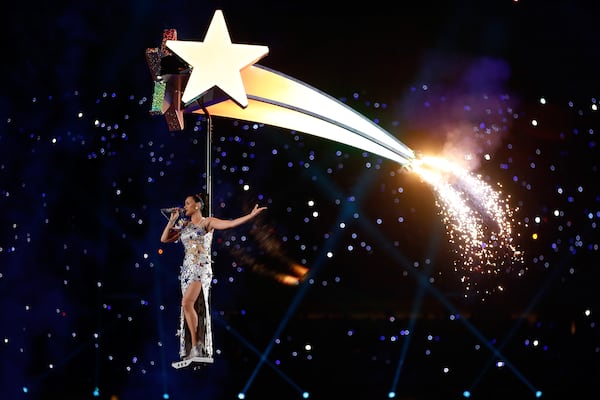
(220, 224)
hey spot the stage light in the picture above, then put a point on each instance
(391, 395)
(241, 396)
(96, 392)
(538, 394)
(466, 394)
(305, 395)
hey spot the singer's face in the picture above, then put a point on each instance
(189, 205)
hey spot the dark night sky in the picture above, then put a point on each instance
(90, 297)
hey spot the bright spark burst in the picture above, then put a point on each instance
(478, 221)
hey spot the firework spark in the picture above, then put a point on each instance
(479, 222)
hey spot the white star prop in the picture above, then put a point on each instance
(216, 62)
(259, 94)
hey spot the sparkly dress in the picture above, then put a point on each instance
(196, 267)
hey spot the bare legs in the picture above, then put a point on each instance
(187, 303)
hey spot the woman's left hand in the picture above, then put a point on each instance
(256, 210)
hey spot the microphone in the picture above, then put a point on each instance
(171, 210)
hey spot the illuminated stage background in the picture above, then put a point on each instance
(90, 297)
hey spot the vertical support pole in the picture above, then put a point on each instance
(208, 210)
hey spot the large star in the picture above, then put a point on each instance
(226, 81)
(216, 62)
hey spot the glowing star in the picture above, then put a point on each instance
(262, 95)
(216, 62)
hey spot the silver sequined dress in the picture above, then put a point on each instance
(196, 267)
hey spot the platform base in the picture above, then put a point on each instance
(194, 361)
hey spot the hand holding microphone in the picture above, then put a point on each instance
(171, 211)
